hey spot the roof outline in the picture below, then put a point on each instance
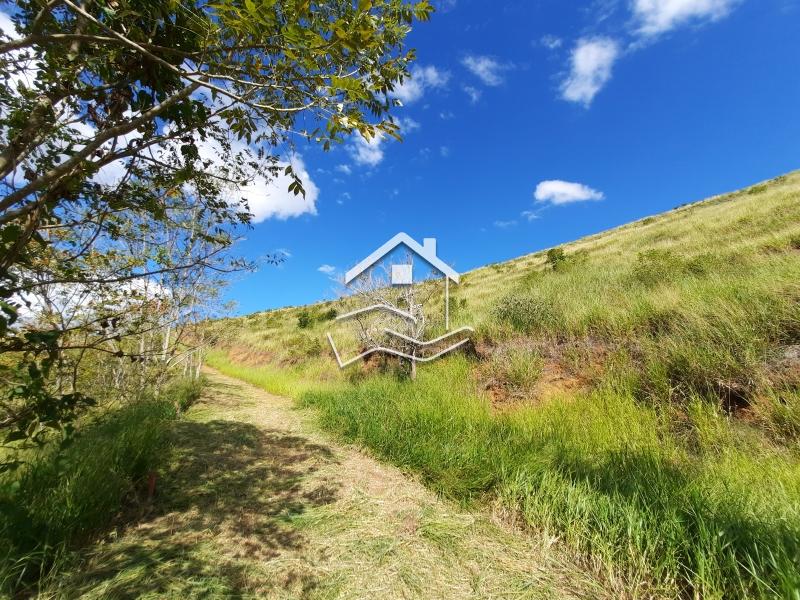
(403, 238)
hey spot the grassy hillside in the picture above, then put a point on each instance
(635, 393)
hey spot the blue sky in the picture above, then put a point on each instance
(532, 123)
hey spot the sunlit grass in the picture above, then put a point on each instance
(603, 472)
(672, 463)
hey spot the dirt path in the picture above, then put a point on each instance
(257, 503)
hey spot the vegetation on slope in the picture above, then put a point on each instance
(126, 133)
(636, 393)
(255, 502)
(62, 497)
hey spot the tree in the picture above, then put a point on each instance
(125, 122)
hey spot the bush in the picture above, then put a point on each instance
(184, 391)
(304, 320)
(656, 266)
(527, 313)
(330, 314)
(301, 346)
(757, 189)
(555, 257)
(60, 499)
(558, 260)
(794, 241)
(517, 370)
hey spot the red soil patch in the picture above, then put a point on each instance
(568, 368)
(249, 356)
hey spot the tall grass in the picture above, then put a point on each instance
(602, 472)
(672, 461)
(59, 499)
(283, 381)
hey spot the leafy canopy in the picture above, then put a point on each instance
(126, 129)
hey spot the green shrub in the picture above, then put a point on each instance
(757, 189)
(555, 257)
(60, 499)
(184, 391)
(558, 260)
(304, 319)
(527, 313)
(329, 315)
(794, 241)
(302, 346)
(518, 370)
(656, 266)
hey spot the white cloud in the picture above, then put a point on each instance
(7, 26)
(446, 115)
(266, 195)
(558, 192)
(267, 198)
(444, 151)
(504, 224)
(592, 61)
(371, 152)
(593, 58)
(551, 42)
(343, 169)
(30, 72)
(420, 80)
(327, 269)
(485, 68)
(530, 215)
(658, 16)
(407, 125)
(473, 93)
(112, 173)
(367, 152)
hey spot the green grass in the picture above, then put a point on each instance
(602, 472)
(255, 502)
(59, 500)
(669, 456)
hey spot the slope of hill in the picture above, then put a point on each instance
(635, 393)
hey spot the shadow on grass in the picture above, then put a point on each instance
(223, 508)
(709, 541)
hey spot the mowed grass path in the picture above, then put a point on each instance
(258, 503)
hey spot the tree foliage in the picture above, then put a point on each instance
(126, 129)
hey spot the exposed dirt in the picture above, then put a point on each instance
(248, 356)
(785, 369)
(567, 368)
